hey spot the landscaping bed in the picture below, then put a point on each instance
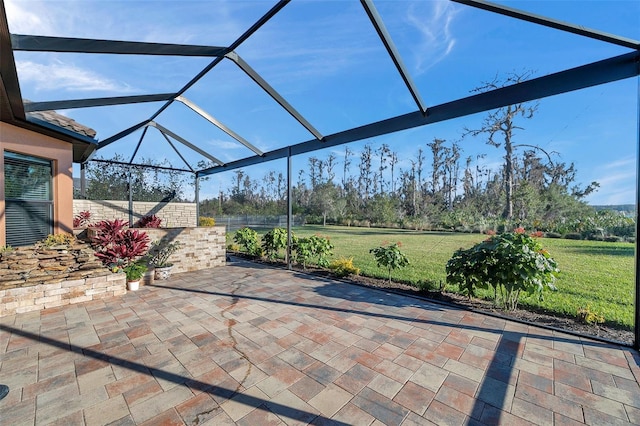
(606, 331)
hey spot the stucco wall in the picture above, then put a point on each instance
(172, 214)
(23, 141)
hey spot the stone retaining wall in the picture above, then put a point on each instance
(202, 247)
(172, 214)
(33, 278)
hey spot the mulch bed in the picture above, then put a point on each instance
(607, 332)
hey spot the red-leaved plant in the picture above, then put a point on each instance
(116, 245)
(81, 219)
(149, 221)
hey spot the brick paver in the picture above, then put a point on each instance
(250, 345)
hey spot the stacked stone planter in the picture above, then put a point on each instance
(33, 278)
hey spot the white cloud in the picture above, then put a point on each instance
(222, 144)
(434, 26)
(617, 183)
(625, 163)
(24, 20)
(61, 76)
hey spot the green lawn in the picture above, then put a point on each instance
(593, 273)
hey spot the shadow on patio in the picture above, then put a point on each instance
(247, 344)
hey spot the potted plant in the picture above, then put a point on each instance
(134, 272)
(159, 257)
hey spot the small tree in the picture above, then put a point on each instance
(314, 246)
(248, 239)
(510, 263)
(273, 241)
(390, 257)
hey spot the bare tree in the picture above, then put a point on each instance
(500, 124)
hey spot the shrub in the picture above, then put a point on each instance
(62, 239)
(315, 246)
(537, 234)
(273, 241)
(248, 239)
(134, 271)
(81, 219)
(233, 247)
(160, 252)
(149, 221)
(510, 263)
(573, 236)
(117, 246)
(206, 221)
(343, 267)
(390, 257)
(6, 249)
(429, 285)
(588, 316)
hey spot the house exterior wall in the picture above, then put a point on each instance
(23, 141)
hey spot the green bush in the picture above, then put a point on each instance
(573, 236)
(390, 257)
(314, 246)
(247, 238)
(62, 239)
(510, 263)
(588, 315)
(344, 267)
(273, 241)
(612, 239)
(135, 271)
(206, 221)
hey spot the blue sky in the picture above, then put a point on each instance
(325, 58)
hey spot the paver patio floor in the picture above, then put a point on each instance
(250, 345)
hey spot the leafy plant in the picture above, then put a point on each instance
(6, 249)
(509, 263)
(343, 267)
(135, 271)
(273, 241)
(81, 219)
(233, 247)
(117, 245)
(149, 221)
(314, 246)
(160, 252)
(589, 316)
(206, 221)
(248, 239)
(390, 257)
(62, 239)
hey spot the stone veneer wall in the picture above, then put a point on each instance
(202, 247)
(33, 278)
(172, 214)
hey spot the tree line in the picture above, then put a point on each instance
(441, 188)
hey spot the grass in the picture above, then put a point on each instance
(593, 273)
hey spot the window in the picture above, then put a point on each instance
(28, 199)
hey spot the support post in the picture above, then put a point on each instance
(130, 198)
(636, 325)
(83, 180)
(197, 200)
(289, 208)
